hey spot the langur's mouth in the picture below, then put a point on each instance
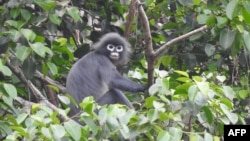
(114, 55)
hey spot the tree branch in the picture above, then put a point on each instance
(129, 22)
(177, 39)
(150, 56)
(18, 72)
(48, 80)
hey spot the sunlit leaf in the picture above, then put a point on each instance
(64, 99)
(4, 69)
(39, 49)
(221, 21)
(28, 34)
(23, 52)
(10, 89)
(202, 18)
(243, 94)
(52, 68)
(175, 133)
(163, 136)
(46, 132)
(182, 73)
(232, 9)
(208, 137)
(229, 92)
(74, 13)
(45, 5)
(196, 2)
(125, 131)
(73, 128)
(21, 117)
(153, 89)
(58, 131)
(231, 116)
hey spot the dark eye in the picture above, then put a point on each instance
(119, 48)
(110, 47)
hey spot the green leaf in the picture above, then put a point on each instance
(10, 89)
(209, 114)
(245, 15)
(163, 136)
(23, 52)
(153, 89)
(208, 137)
(91, 124)
(209, 49)
(182, 73)
(152, 115)
(196, 2)
(16, 24)
(28, 34)
(186, 2)
(232, 9)
(74, 13)
(221, 21)
(203, 87)
(221, 78)
(175, 133)
(55, 88)
(52, 68)
(58, 131)
(202, 18)
(166, 60)
(192, 91)
(231, 116)
(39, 49)
(25, 14)
(211, 20)
(4, 69)
(15, 35)
(45, 5)
(246, 5)
(124, 130)
(243, 94)
(229, 92)
(73, 129)
(55, 19)
(21, 117)
(14, 12)
(227, 38)
(246, 39)
(46, 132)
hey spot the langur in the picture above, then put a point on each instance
(95, 74)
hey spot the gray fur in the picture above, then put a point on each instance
(95, 75)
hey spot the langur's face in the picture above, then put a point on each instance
(115, 51)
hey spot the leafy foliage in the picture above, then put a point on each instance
(201, 83)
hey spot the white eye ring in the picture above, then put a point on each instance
(119, 48)
(110, 47)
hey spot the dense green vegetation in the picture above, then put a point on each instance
(194, 55)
